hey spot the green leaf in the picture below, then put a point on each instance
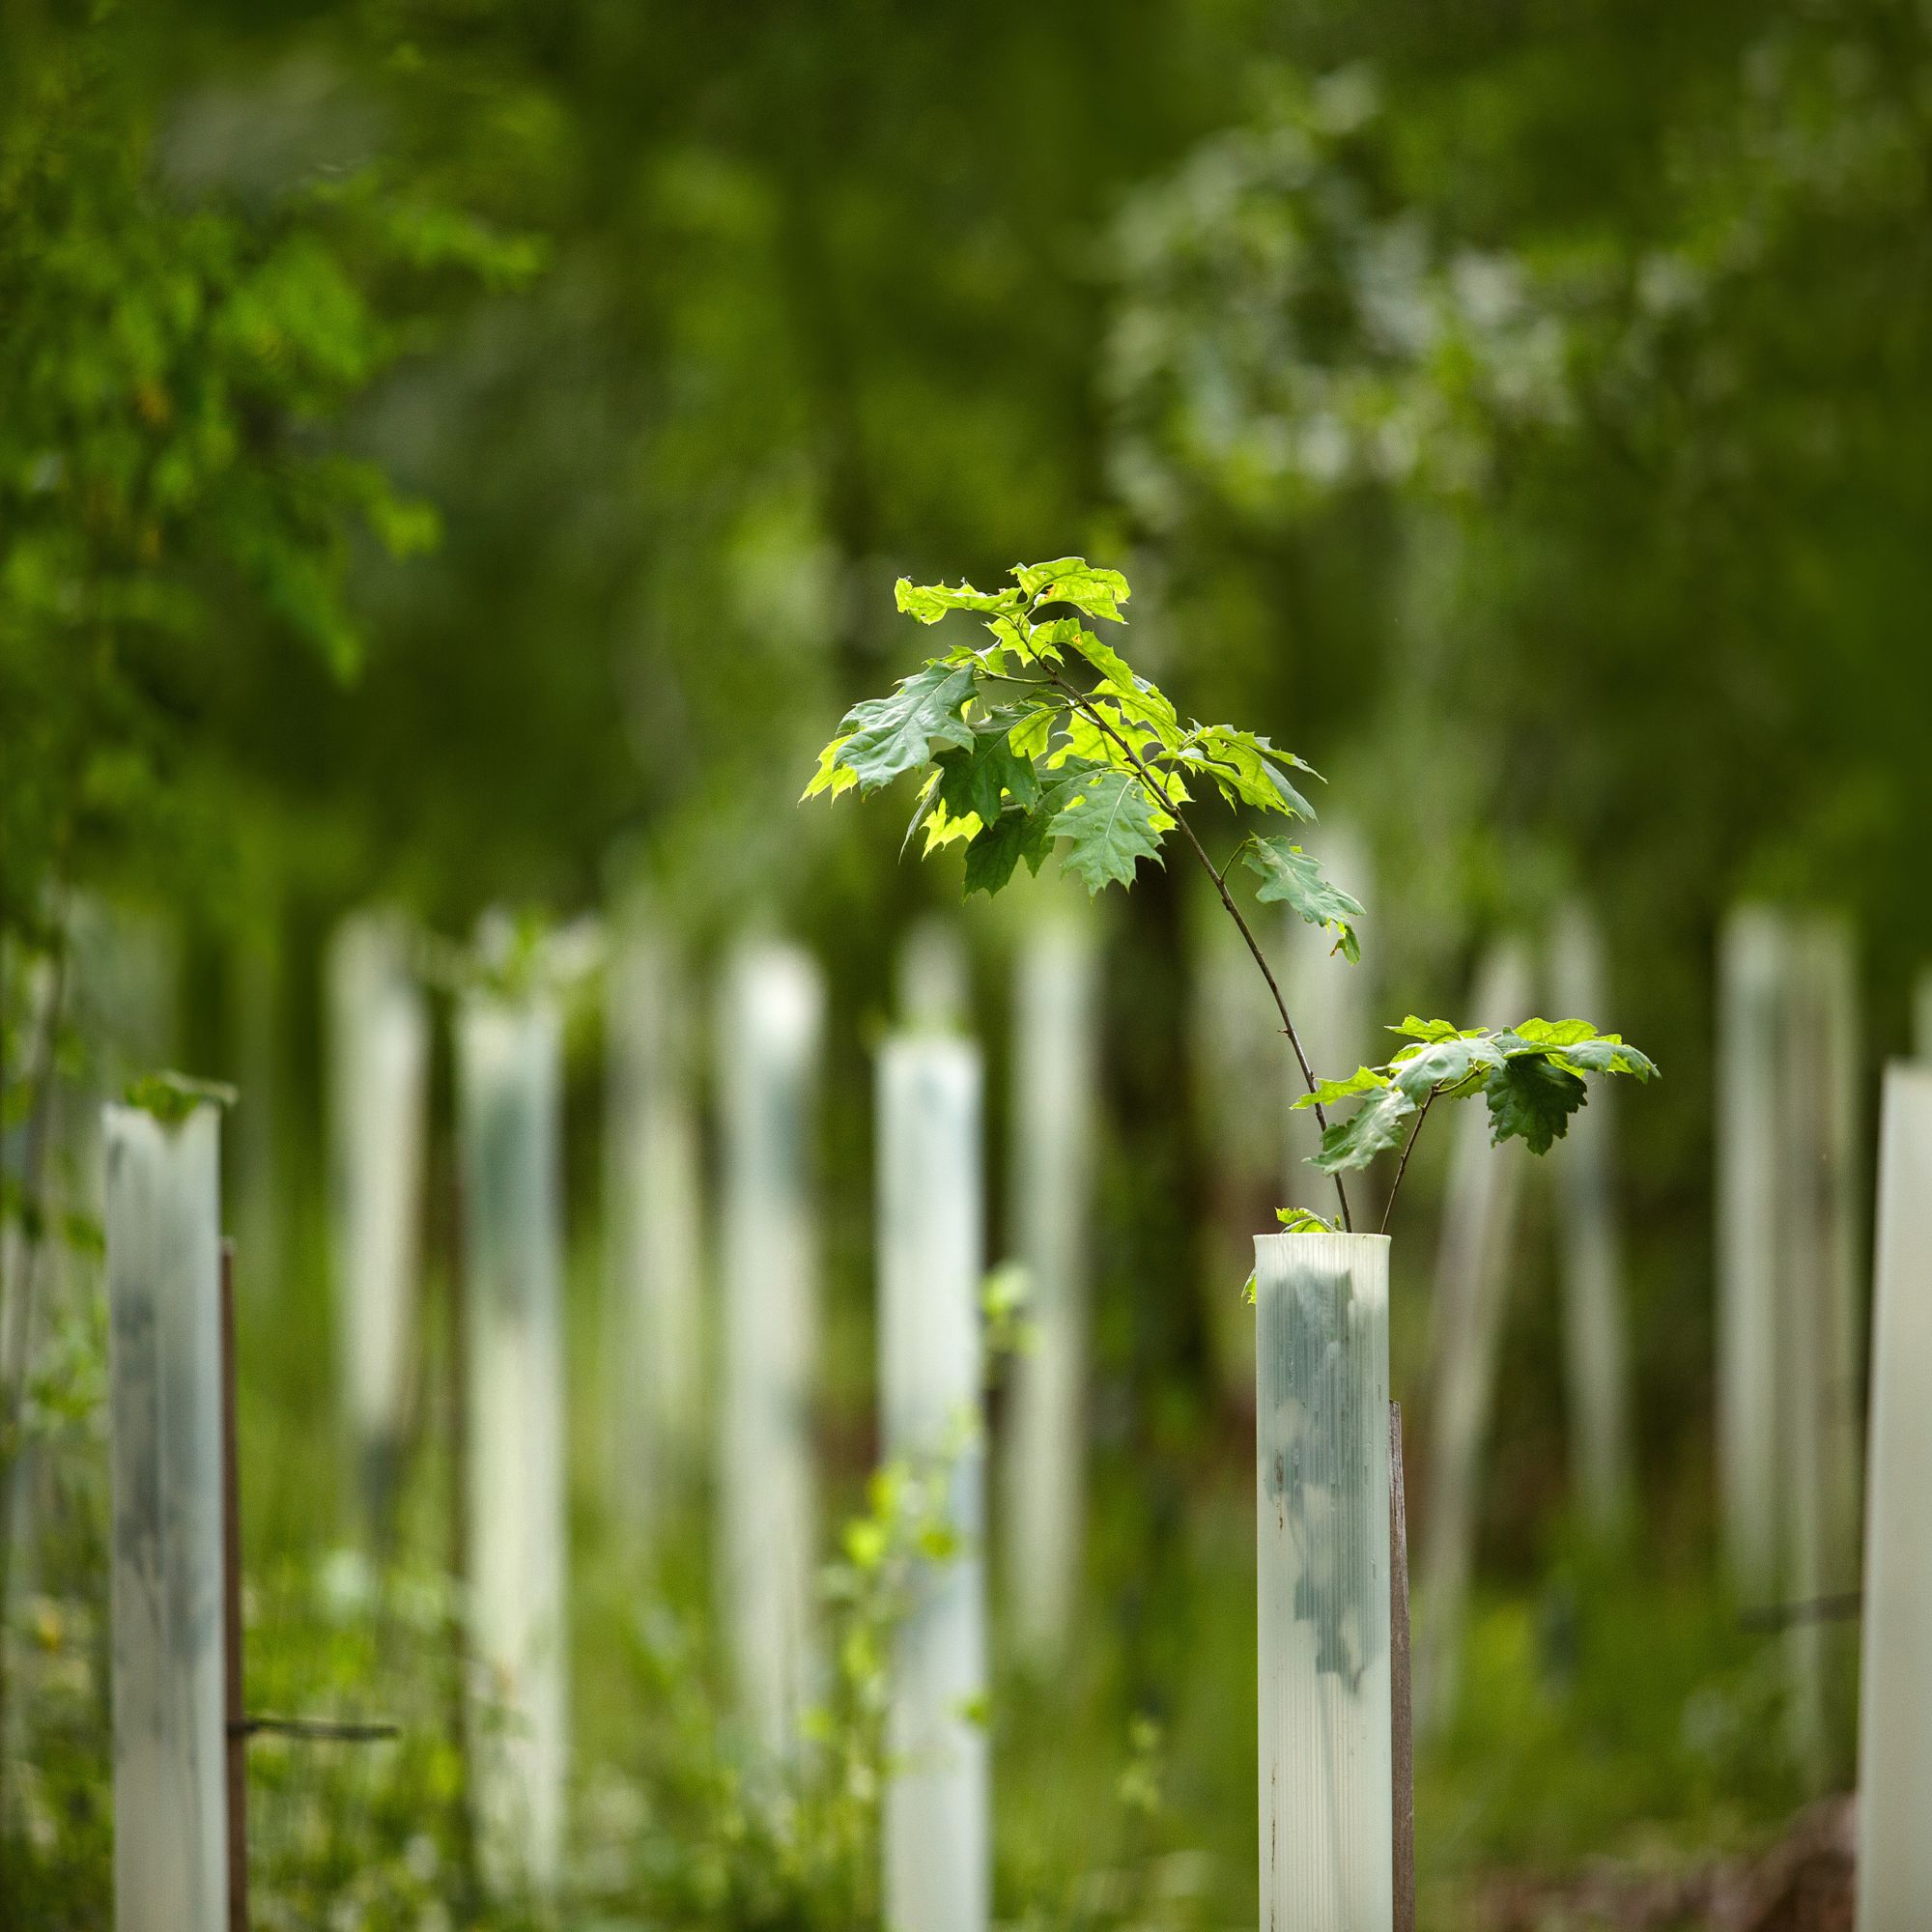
(171, 1098)
(928, 799)
(931, 602)
(1577, 1047)
(1304, 1221)
(1375, 1127)
(1531, 1100)
(1029, 737)
(1289, 875)
(1247, 769)
(944, 828)
(896, 734)
(1072, 580)
(1607, 1054)
(1446, 1064)
(1554, 1033)
(1332, 1093)
(833, 774)
(1031, 575)
(1110, 826)
(971, 778)
(1000, 847)
(1415, 1029)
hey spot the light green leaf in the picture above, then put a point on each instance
(1412, 1027)
(931, 602)
(832, 774)
(943, 828)
(1110, 826)
(1030, 575)
(896, 734)
(1097, 592)
(1029, 737)
(1290, 876)
(1554, 1033)
(1304, 1221)
(1332, 1093)
(1247, 769)
(1072, 580)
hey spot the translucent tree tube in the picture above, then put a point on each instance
(164, 1380)
(1055, 1073)
(1322, 1453)
(1753, 975)
(654, 1358)
(507, 1067)
(1595, 1353)
(1819, 1330)
(770, 1019)
(378, 1089)
(1472, 1275)
(935, 978)
(937, 1799)
(1894, 1848)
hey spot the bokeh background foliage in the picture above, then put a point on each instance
(457, 451)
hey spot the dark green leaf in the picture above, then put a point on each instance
(1110, 826)
(972, 777)
(896, 734)
(998, 848)
(1531, 1100)
(1375, 1127)
(1289, 875)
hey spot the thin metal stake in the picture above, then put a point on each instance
(1401, 1718)
(237, 1740)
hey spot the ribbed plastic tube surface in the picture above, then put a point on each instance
(378, 1086)
(1322, 1442)
(1054, 1070)
(653, 1361)
(1894, 1849)
(771, 1019)
(937, 1808)
(164, 1380)
(508, 1074)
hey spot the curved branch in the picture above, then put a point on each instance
(1147, 777)
(1402, 1166)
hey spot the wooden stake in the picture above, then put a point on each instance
(237, 1731)
(457, 1408)
(1402, 1727)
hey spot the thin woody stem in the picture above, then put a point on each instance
(1233, 911)
(1402, 1166)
